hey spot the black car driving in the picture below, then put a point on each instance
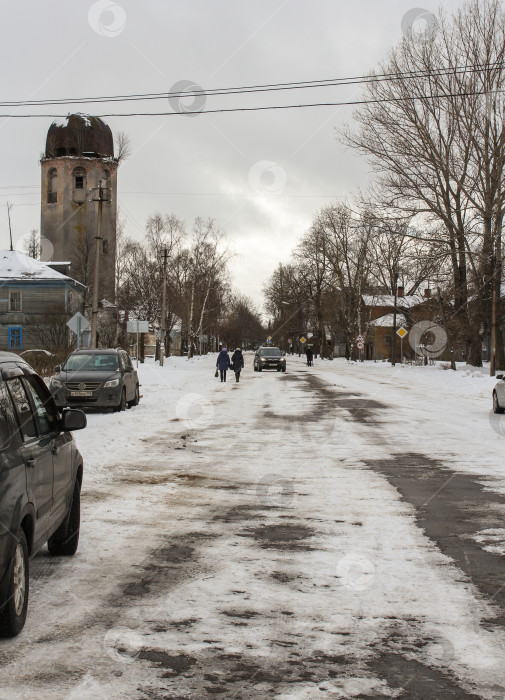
(40, 483)
(103, 378)
(269, 358)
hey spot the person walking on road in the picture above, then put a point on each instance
(237, 363)
(223, 363)
(309, 354)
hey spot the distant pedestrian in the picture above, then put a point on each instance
(237, 363)
(223, 363)
(310, 355)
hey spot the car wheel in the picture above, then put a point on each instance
(136, 399)
(278, 369)
(122, 403)
(260, 369)
(15, 606)
(255, 368)
(283, 369)
(496, 406)
(66, 538)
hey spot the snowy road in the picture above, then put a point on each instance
(332, 532)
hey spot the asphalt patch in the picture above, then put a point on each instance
(451, 508)
(416, 679)
(288, 536)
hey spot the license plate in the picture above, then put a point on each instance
(81, 393)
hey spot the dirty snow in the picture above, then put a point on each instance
(233, 539)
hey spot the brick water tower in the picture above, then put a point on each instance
(79, 155)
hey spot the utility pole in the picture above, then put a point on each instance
(495, 284)
(163, 307)
(98, 237)
(9, 216)
(393, 337)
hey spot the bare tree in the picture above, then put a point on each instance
(123, 146)
(347, 245)
(32, 245)
(439, 152)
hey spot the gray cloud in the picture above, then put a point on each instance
(209, 156)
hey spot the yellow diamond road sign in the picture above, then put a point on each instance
(302, 339)
(402, 332)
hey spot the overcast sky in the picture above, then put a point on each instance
(260, 175)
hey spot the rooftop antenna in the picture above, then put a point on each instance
(9, 206)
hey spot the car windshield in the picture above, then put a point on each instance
(268, 352)
(91, 362)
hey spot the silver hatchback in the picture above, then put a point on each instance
(499, 394)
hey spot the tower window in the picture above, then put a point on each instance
(52, 186)
(79, 193)
(79, 178)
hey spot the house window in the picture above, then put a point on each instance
(388, 339)
(15, 337)
(14, 301)
(52, 186)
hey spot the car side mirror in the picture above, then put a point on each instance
(73, 419)
(57, 369)
(500, 376)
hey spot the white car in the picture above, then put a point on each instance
(499, 394)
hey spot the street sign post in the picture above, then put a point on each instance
(137, 327)
(78, 324)
(402, 333)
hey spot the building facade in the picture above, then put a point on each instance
(35, 303)
(79, 155)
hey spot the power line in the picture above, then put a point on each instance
(258, 109)
(251, 89)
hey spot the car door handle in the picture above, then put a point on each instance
(54, 448)
(30, 462)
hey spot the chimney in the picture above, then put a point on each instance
(427, 293)
(401, 292)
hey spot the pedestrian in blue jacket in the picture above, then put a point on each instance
(223, 363)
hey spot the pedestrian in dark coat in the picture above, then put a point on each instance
(223, 363)
(237, 363)
(309, 356)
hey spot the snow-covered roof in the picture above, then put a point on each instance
(20, 267)
(106, 304)
(386, 321)
(388, 300)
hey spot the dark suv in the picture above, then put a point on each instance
(96, 379)
(40, 482)
(269, 358)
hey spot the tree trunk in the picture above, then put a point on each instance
(474, 351)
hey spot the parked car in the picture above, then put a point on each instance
(40, 483)
(96, 379)
(269, 358)
(499, 394)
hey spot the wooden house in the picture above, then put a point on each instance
(35, 301)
